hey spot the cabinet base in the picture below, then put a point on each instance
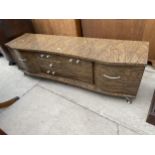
(80, 84)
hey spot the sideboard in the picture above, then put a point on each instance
(112, 67)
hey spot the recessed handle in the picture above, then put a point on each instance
(22, 59)
(111, 77)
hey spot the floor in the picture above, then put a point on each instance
(48, 107)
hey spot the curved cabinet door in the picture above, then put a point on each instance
(124, 80)
(27, 61)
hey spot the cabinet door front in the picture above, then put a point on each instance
(27, 61)
(67, 67)
(118, 79)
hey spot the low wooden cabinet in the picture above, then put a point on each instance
(112, 67)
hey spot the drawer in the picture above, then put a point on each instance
(67, 67)
(118, 79)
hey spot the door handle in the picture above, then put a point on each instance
(111, 77)
(22, 59)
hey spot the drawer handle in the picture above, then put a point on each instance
(22, 60)
(50, 65)
(47, 56)
(70, 60)
(77, 61)
(111, 77)
(48, 71)
(41, 55)
(53, 73)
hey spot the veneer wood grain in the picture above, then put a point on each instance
(99, 50)
(124, 29)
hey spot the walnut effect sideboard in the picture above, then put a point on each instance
(112, 67)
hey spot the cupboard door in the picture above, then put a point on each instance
(118, 79)
(27, 61)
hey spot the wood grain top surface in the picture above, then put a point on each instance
(100, 50)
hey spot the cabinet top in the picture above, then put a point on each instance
(100, 50)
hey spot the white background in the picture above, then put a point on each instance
(77, 145)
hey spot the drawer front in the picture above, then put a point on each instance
(27, 61)
(118, 79)
(66, 67)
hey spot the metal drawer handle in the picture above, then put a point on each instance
(111, 77)
(41, 55)
(50, 65)
(53, 73)
(22, 60)
(77, 61)
(48, 71)
(47, 56)
(70, 60)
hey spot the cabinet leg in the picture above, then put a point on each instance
(11, 63)
(129, 100)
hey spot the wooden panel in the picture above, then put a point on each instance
(118, 51)
(118, 79)
(149, 35)
(99, 50)
(69, 27)
(130, 29)
(113, 29)
(11, 28)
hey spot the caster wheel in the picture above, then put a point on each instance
(129, 100)
(11, 63)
